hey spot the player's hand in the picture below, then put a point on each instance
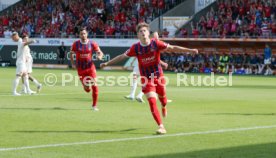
(165, 66)
(102, 65)
(35, 41)
(100, 57)
(195, 51)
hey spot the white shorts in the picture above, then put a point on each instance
(21, 68)
(267, 61)
(29, 66)
(136, 70)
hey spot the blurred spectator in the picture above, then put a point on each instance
(165, 33)
(267, 60)
(62, 18)
(217, 63)
(238, 18)
(61, 53)
(7, 33)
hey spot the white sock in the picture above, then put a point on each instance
(261, 69)
(36, 82)
(140, 95)
(15, 83)
(270, 72)
(24, 88)
(26, 83)
(134, 87)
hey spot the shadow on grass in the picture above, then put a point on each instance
(124, 131)
(244, 114)
(250, 151)
(253, 86)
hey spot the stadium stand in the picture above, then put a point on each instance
(55, 18)
(236, 19)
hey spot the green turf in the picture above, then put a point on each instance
(62, 115)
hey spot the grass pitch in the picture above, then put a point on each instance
(236, 121)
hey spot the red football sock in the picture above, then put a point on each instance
(154, 110)
(163, 101)
(95, 95)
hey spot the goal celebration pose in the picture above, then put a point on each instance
(147, 51)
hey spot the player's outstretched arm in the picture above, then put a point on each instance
(114, 60)
(30, 42)
(72, 59)
(179, 49)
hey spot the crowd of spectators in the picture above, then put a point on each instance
(237, 63)
(63, 18)
(236, 18)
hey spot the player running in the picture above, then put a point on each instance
(83, 49)
(136, 75)
(147, 52)
(29, 67)
(21, 68)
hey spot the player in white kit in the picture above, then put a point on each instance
(136, 74)
(29, 66)
(21, 68)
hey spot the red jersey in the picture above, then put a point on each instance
(148, 57)
(267, 11)
(84, 53)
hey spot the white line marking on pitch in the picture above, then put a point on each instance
(139, 138)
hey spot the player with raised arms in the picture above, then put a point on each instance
(147, 51)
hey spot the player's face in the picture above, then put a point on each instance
(143, 33)
(83, 35)
(15, 38)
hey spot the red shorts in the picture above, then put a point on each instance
(87, 75)
(157, 85)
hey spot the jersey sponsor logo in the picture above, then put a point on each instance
(148, 60)
(152, 49)
(84, 55)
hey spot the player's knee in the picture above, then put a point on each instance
(151, 95)
(161, 96)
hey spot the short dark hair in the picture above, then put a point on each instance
(83, 29)
(143, 24)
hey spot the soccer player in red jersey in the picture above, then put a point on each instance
(147, 51)
(84, 49)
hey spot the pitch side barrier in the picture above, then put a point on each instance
(45, 51)
(218, 45)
